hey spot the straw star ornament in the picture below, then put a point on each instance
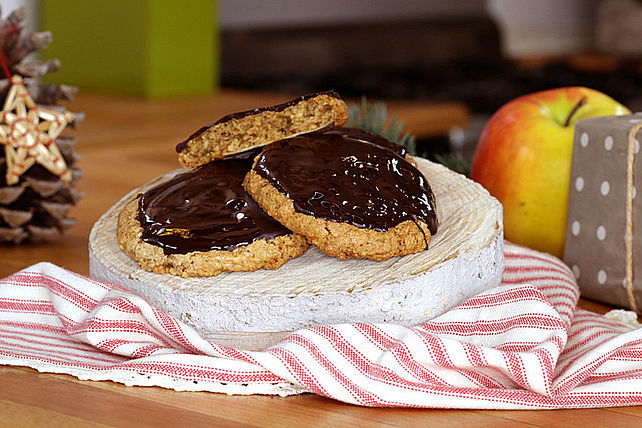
(28, 133)
(38, 162)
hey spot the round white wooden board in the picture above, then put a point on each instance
(253, 310)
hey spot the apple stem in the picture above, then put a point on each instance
(577, 106)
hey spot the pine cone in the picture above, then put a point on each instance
(36, 207)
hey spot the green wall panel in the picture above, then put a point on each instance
(148, 47)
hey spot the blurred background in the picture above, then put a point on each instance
(477, 54)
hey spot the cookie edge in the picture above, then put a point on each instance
(190, 156)
(336, 239)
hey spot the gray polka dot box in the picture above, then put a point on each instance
(604, 230)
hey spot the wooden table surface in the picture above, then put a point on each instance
(126, 142)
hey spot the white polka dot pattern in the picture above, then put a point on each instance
(601, 233)
(595, 241)
(575, 228)
(576, 271)
(584, 139)
(579, 184)
(604, 188)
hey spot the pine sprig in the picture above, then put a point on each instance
(455, 161)
(372, 117)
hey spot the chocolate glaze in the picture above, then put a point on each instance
(205, 209)
(339, 178)
(370, 137)
(279, 107)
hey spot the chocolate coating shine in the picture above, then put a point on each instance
(205, 209)
(338, 178)
(370, 137)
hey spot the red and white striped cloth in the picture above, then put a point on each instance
(523, 344)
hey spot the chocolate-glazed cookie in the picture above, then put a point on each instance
(370, 137)
(241, 131)
(205, 209)
(348, 197)
(202, 223)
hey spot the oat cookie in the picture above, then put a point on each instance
(371, 137)
(348, 197)
(202, 223)
(242, 131)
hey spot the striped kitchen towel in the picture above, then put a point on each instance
(521, 345)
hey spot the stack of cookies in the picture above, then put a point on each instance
(268, 182)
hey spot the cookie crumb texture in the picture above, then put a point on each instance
(340, 240)
(255, 130)
(267, 254)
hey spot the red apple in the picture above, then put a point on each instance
(524, 160)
